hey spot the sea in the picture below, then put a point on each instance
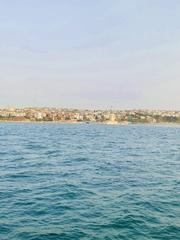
(89, 181)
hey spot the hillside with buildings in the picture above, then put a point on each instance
(88, 116)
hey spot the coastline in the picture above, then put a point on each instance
(92, 123)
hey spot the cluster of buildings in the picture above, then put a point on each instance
(99, 116)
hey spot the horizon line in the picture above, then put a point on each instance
(87, 108)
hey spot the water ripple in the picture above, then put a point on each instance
(60, 181)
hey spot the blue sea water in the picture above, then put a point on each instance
(89, 181)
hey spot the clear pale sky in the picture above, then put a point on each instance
(90, 53)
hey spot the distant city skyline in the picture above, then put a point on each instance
(93, 54)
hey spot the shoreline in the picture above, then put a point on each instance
(90, 123)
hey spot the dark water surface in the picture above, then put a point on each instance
(89, 182)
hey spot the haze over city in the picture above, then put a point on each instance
(90, 54)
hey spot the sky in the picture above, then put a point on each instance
(90, 53)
